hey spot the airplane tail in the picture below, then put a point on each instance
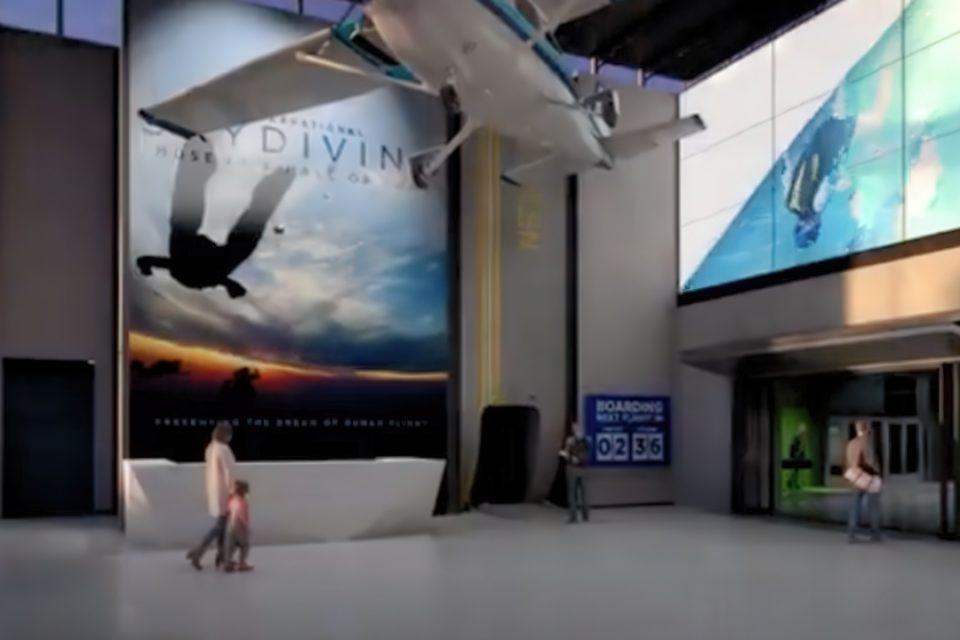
(625, 112)
(618, 106)
(634, 134)
(623, 144)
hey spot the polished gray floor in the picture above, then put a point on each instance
(518, 573)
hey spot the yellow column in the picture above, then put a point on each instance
(487, 236)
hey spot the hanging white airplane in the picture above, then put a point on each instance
(491, 60)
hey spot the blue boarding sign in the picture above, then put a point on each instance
(628, 431)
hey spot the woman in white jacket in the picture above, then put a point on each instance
(219, 463)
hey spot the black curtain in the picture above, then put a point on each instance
(507, 435)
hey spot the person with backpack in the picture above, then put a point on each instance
(576, 453)
(864, 477)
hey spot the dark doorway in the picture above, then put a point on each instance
(47, 438)
(752, 447)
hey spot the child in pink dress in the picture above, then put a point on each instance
(238, 528)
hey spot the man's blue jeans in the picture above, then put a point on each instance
(577, 494)
(872, 501)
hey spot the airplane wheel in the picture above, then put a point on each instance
(450, 99)
(610, 116)
(611, 110)
(419, 175)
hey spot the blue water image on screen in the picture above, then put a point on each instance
(839, 188)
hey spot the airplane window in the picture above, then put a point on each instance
(576, 63)
(619, 75)
(528, 12)
(97, 21)
(286, 5)
(30, 15)
(329, 10)
(664, 83)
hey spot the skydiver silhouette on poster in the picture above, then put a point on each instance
(194, 260)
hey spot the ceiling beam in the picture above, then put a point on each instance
(666, 28)
(681, 38)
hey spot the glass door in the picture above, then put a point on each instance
(813, 420)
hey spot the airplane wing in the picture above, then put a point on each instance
(282, 82)
(633, 143)
(552, 13)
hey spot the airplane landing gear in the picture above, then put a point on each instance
(611, 110)
(424, 166)
(418, 173)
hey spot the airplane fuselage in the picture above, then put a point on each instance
(503, 75)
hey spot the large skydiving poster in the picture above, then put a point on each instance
(868, 169)
(285, 275)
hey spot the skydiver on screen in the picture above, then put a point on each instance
(819, 170)
(196, 261)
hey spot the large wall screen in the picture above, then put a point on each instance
(836, 138)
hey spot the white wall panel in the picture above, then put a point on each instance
(813, 59)
(731, 101)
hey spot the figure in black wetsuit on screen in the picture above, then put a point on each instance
(806, 196)
(196, 261)
(820, 170)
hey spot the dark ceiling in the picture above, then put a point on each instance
(683, 39)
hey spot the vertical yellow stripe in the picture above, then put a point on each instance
(484, 272)
(482, 202)
(487, 232)
(488, 273)
(481, 199)
(485, 266)
(496, 233)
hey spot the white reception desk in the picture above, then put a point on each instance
(290, 502)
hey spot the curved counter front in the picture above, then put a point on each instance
(290, 502)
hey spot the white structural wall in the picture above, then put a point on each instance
(513, 303)
(57, 217)
(627, 247)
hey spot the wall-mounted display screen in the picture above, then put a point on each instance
(838, 137)
(285, 274)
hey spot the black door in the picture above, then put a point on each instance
(946, 456)
(47, 438)
(753, 446)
